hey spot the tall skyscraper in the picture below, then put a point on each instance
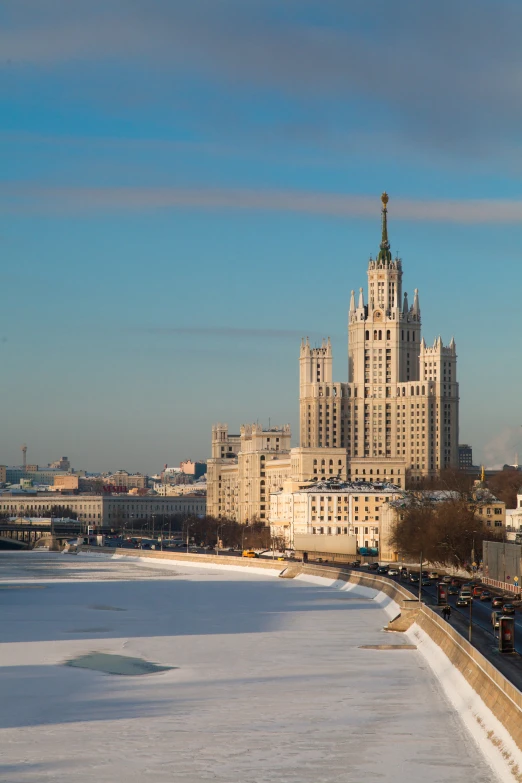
(399, 408)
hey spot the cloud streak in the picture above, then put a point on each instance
(446, 74)
(226, 331)
(39, 199)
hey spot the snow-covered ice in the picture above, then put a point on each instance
(270, 682)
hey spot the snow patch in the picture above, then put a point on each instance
(495, 742)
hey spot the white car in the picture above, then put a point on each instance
(393, 571)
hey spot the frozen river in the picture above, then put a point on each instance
(270, 682)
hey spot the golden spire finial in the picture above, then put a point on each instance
(384, 199)
(483, 474)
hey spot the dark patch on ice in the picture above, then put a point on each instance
(107, 608)
(116, 664)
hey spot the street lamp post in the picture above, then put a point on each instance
(420, 578)
(220, 527)
(470, 625)
(189, 525)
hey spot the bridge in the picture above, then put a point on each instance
(31, 534)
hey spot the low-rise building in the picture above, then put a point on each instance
(104, 510)
(331, 508)
(126, 480)
(69, 481)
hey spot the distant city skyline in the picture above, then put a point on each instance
(189, 188)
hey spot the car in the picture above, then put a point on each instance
(508, 609)
(497, 602)
(281, 558)
(446, 579)
(425, 573)
(249, 553)
(433, 575)
(477, 591)
(455, 581)
(355, 563)
(453, 590)
(464, 599)
(373, 566)
(495, 619)
(393, 571)
(414, 579)
(426, 581)
(382, 569)
(485, 596)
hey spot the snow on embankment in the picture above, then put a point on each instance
(493, 739)
(390, 607)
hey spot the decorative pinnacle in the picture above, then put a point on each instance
(384, 252)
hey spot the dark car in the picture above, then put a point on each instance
(414, 579)
(355, 563)
(453, 590)
(382, 570)
(373, 566)
(426, 581)
(508, 609)
(497, 602)
(485, 596)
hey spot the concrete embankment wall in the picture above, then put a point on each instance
(503, 700)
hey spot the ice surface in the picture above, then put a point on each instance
(271, 683)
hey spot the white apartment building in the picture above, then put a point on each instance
(331, 508)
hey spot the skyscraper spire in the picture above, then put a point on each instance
(384, 252)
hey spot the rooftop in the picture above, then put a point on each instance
(351, 486)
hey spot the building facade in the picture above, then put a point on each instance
(244, 470)
(395, 419)
(331, 509)
(126, 480)
(106, 510)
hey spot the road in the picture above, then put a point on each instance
(483, 637)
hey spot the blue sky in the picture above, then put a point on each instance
(188, 187)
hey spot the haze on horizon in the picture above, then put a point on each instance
(189, 187)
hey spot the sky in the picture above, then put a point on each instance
(187, 188)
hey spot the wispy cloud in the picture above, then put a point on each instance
(226, 331)
(83, 200)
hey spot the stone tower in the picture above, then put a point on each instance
(398, 412)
